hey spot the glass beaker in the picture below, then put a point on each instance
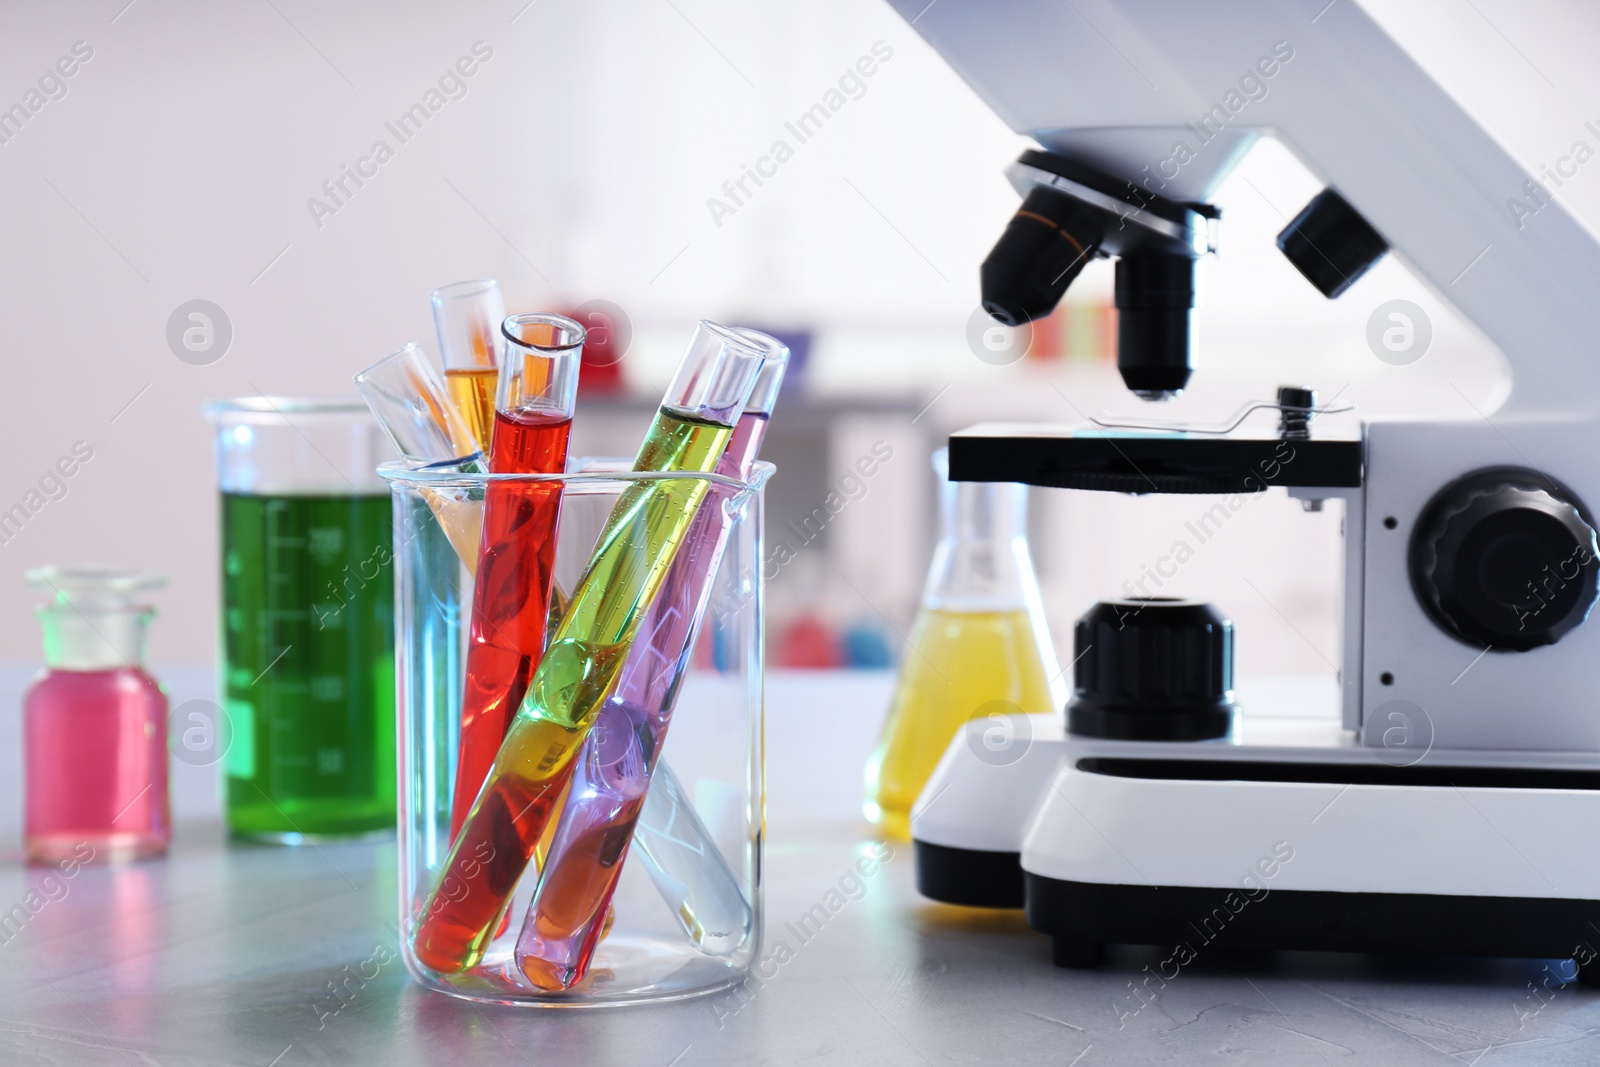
(307, 627)
(95, 724)
(715, 746)
(979, 647)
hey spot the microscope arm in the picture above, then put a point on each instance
(1170, 94)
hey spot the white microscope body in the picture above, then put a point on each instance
(1436, 816)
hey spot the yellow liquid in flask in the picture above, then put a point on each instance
(958, 663)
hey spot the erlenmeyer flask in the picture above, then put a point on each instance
(979, 647)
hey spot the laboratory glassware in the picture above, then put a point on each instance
(979, 647)
(677, 849)
(632, 554)
(405, 395)
(701, 826)
(408, 400)
(467, 317)
(614, 772)
(95, 723)
(307, 634)
(516, 557)
(588, 648)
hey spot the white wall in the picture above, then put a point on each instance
(578, 165)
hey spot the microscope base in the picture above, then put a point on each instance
(1319, 857)
(969, 876)
(1322, 847)
(1082, 917)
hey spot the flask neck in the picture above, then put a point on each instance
(94, 639)
(982, 561)
(982, 511)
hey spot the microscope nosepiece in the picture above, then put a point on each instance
(1073, 212)
(1047, 243)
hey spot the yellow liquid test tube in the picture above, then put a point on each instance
(467, 316)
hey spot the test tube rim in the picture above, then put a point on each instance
(462, 290)
(777, 351)
(548, 318)
(742, 336)
(366, 372)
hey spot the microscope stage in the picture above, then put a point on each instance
(1150, 461)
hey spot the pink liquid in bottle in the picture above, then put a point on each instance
(95, 725)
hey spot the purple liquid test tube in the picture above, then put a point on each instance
(613, 775)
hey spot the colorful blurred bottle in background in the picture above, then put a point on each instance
(609, 334)
(95, 724)
(979, 646)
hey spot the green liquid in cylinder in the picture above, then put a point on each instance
(586, 652)
(308, 664)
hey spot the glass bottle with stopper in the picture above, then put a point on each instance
(95, 724)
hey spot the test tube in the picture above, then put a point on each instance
(467, 316)
(683, 861)
(648, 523)
(408, 399)
(410, 404)
(516, 561)
(613, 777)
(698, 883)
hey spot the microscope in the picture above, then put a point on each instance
(1443, 811)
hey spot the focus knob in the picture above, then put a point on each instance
(1505, 558)
(1331, 244)
(1152, 669)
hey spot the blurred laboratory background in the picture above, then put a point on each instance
(813, 170)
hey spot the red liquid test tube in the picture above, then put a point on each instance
(516, 560)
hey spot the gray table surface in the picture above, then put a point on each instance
(222, 954)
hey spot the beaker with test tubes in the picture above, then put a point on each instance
(455, 894)
(715, 752)
(979, 647)
(307, 620)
